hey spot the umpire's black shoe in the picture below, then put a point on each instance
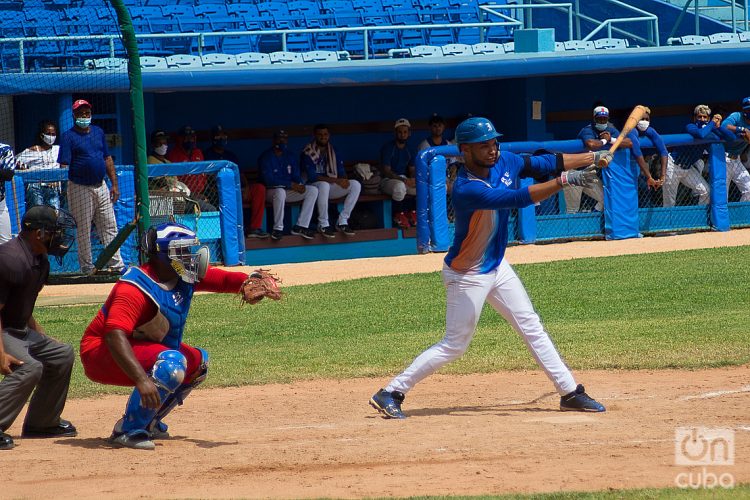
(63, 429)
(6, 442)
(388, 403)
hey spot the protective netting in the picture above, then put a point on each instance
(69, 145)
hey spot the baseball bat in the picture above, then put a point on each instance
(635, 116)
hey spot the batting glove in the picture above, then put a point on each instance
(581, 178)
(602, 158)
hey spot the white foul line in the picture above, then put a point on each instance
(716, 394)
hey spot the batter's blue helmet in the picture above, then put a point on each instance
(475, 129)
(746, 103)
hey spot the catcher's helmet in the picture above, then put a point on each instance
(746, 103)
(475, 129)
(178, 246)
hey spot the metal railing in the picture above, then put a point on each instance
(697, 8)
(21, 42)
(610, 24)
(528, 20)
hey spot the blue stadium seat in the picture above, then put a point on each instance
(412, 38)
(304, 7)
(354, 42)
(237, 44)
(152, 62)
(333, 6)
(724, 38)
(579, 45)
(242, 9)
(299, 42)
(440, 36)
(327, 41)
(320, 56)
(469, 36)
(251, 58)
(457, 49)
(284, 57)
(406, 16)
(396, 5)
(382, 41)
(368, 5)
(497, 34)
(219, 60)
(611, 43)
(184, 61)
(694, 40)
(488, 48)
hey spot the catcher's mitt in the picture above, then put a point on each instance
(258, 284)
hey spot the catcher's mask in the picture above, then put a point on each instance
(177, 246)
(58, 223)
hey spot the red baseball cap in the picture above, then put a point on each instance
(79, 103)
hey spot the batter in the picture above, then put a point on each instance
(475, 270)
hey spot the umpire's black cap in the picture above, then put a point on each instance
(40, 217)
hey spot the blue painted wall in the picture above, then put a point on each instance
(374, 108)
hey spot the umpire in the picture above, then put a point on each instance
(28, 357)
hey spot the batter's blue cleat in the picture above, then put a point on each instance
(578, 400)
(388, 403)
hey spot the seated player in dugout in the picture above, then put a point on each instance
(136, 337)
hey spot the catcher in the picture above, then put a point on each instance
(136, 337)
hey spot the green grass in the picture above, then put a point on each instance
(671, 310)
(738, 492)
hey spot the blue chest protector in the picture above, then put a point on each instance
(173, 306)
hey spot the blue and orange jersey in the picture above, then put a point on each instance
(482, 207)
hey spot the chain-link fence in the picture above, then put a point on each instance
(678, 196)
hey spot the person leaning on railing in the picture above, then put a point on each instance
(737, 150)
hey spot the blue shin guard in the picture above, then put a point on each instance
(178, 396)
(167, 373)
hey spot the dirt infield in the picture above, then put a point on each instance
(478, 434)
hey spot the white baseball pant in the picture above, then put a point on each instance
(279, 196)
(396, 189)
(466, 294)
(328, 191)
(5, 227)
(572, 195)
(92, 204)
(690, 177)
(737, 172)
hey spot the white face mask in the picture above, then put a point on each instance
(642, 125)
(601, 127)
(49, 139)
(161, 150)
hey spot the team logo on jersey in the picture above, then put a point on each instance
(506, 179)
(177, 297)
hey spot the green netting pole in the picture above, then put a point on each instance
(139, 118)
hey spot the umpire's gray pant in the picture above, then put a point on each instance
(92, 204)
(47, 365)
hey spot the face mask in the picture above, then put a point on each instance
(280, 147)
(601, 127)
(746, 114)
(83, 122)
(49, 139)
(642, 125)
(161, 150)
(400, 141)
(701, 123)
(220, 142)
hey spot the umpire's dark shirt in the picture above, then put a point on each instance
(22, 276)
